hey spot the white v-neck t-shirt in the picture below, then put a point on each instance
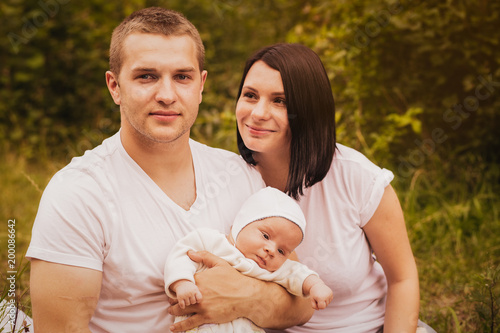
(103, 212)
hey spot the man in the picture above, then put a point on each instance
(108, 220)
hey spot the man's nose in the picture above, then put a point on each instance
(166, 92)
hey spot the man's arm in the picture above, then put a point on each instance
(63, 297)
(228, 294)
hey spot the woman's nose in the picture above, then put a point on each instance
(261, 111)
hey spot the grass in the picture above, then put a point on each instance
(454, 227)
(453, 224)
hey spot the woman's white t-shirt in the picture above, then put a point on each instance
(335, 246)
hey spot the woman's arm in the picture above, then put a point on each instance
(386, 232)
(228, 294)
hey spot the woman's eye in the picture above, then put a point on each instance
(249, 95)
(280, 101)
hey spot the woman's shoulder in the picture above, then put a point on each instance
(352, 160)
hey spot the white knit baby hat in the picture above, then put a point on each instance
(268, 202)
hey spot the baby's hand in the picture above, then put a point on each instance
(187, 293)
(321, 296)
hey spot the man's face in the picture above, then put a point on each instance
(159, 87)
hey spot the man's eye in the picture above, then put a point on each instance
(145, 76)
(182, 77)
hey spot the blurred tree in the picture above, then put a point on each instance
(419, 79)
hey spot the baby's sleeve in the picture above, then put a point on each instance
(178, 265)
(291, 276)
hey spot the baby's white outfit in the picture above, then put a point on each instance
(179, 266)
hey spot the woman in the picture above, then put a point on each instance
(286, 128)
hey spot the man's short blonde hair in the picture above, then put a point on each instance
(153, 20)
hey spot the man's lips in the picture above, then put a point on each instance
(164, 115)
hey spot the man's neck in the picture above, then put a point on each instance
(169, 165)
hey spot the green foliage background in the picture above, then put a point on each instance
(416, 84)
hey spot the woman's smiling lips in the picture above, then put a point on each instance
(258, 131)
(164, 115)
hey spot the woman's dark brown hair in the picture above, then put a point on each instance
(311, 113)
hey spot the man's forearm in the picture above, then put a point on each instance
(271, 306)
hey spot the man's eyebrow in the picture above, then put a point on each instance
(143, 69)
(153, 70)
(186, 70)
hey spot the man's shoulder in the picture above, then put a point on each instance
(86, 170)
(220, 159)
(216, 153)
(96, 155)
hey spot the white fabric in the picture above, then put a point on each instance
(336, 248)
(268, 202)
(103, 212)
(239, 325)
(179, 266)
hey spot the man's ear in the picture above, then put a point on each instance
(203, 79)
(113, 86)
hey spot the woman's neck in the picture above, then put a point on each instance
(273, 169)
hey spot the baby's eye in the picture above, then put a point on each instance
(280, 251)
(266, 236)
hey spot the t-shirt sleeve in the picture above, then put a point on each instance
(68, 228)
(365, 182)
(373, 195)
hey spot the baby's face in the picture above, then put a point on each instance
(269, 242)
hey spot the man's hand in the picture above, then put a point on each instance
(228, 294)
(220, 296)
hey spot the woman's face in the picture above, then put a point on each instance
(261, 111)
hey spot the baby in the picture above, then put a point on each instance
(266, 230)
